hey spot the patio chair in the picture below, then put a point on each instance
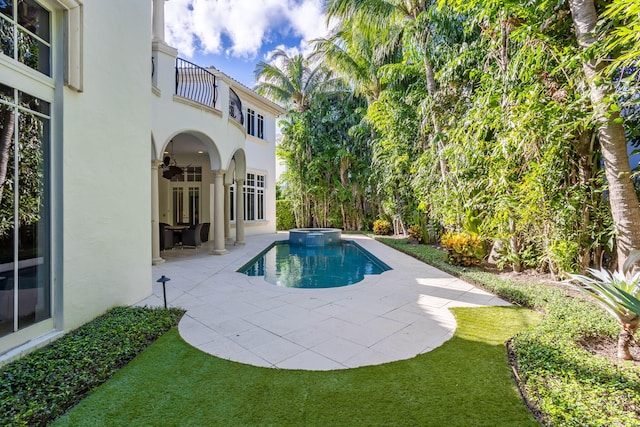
(191, 236)
(204, 233)
(166, 237)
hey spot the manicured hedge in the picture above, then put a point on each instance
(41, 386)
(565, 384)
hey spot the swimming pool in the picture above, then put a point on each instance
(296, 266)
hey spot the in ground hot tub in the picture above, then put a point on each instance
(314, 236)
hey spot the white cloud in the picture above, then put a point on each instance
(308, 21)
(247, 24)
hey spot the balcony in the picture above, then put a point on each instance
(189, 99)
(196, 83)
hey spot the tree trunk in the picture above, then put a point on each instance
(514, 244)
(437, 127)
(625, 337)
(622, 196)
(6, 136)
(585, 173)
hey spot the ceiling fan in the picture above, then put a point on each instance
(170, 166)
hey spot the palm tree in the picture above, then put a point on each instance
(352, 56)
(392, 26)
(292, 80)
(395, 21)
(625, 209)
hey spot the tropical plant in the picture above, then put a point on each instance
(463, 248)
(415, 232)
(293, 80)
(285, 219)
(618, 293)
(327, 163)
(625, 209)
(382, 227)
(483, 113)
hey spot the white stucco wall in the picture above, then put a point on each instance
(261, 157)
(103, 153)
(220, 136)
(106, 197)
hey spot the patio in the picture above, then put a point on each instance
(393, 316)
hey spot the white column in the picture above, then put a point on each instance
(155, 215)
(227, 211)
(158, 20)
(239, 212)
(218, 214)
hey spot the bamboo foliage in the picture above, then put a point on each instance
(481, 109)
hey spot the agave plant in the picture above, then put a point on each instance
(618, 293)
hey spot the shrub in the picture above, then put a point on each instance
(463, 248)
(285, 219)
(382, 227)
(415, 232)
(562, 256)
(41, 386)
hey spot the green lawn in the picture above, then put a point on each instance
(465, 382)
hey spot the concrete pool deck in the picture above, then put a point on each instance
(392, 316)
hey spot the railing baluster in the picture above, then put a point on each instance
(195, 83)
(199, 85)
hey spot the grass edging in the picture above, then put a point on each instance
(565, 384)
(41, 386)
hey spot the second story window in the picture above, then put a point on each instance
(260, 133)
(251, 122)
(25, 33)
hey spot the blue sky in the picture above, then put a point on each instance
(234, 35)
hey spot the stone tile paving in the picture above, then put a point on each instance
(393, 316)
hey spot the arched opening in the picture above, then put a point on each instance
(185, 176)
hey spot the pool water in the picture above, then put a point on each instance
(295, 266)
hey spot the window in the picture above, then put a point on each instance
(255, 127)
(249, 197)
(260, 197)
(25, 33)
(254, 198)
(251, 119)
(260, 126)
(25, 264)
(189, 174)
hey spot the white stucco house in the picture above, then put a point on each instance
(96, 112)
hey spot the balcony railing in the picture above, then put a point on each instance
(235, 107)
(195, 83)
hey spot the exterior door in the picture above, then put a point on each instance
(185, 203)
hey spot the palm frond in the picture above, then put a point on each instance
(632, 259)
(617, 294)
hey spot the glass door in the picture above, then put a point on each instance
(185, 203)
